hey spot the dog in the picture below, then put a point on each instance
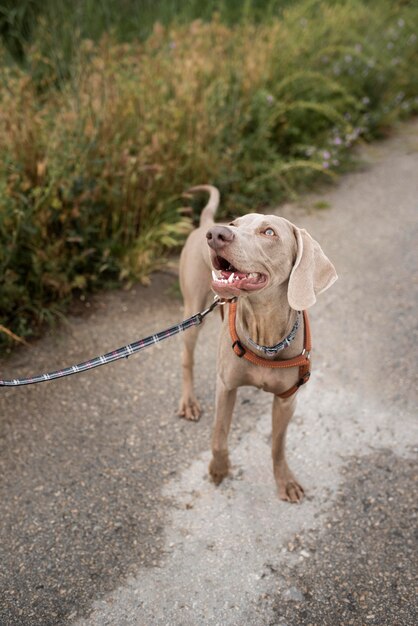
(270, 271)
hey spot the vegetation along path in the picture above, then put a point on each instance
(107, 513)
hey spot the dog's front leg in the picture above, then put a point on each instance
(289, 488)
(225, 400)
(189, 406)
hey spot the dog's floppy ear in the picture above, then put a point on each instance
(312, 272)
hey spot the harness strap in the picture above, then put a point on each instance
(302, 361)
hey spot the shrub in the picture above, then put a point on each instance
(93, 166)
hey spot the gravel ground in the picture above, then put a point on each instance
(107, 514)
(362, 568)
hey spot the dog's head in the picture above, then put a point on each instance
(262, 252)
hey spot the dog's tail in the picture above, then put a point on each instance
(209, 211)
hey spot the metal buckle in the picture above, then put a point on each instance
(269, 351)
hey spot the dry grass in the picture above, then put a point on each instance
(93, 167)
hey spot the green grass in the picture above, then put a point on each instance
(103, 127)
(127, 20)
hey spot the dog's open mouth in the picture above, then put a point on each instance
(227, 278)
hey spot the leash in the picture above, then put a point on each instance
(120, 353)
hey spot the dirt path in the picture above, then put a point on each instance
(107, 513)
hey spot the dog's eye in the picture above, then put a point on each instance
(269, 232)
(231, 224)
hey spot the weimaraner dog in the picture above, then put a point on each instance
(270, 271)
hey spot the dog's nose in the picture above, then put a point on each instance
(219, 236)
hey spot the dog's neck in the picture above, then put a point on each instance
(266, 323)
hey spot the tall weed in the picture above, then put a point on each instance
(95, 159)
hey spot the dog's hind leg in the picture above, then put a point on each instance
(289, 488)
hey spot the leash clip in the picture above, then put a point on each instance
(222, 302)
(210, 308)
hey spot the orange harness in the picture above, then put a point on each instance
(302, 361)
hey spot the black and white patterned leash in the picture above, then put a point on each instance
(120, 353)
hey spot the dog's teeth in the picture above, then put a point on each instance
(253, 275)
(231, 277)
(214, 276)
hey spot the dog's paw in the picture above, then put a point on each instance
(288, 487)
(189, 409)
(218, 469)
(290, 490)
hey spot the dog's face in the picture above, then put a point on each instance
(252, 253)
(263, 252)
